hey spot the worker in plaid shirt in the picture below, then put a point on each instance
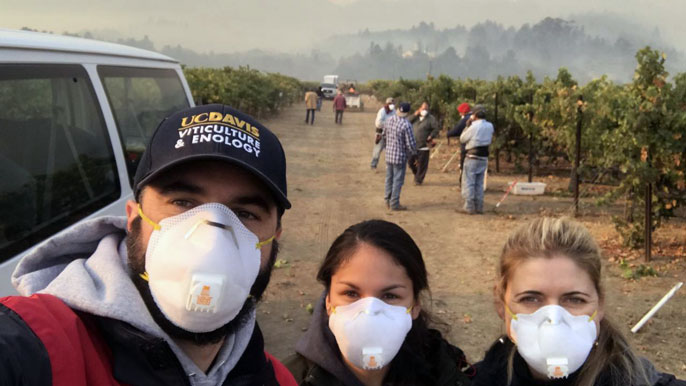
(400, 145)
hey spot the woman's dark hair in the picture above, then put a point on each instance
(381, 234)
(412, 365)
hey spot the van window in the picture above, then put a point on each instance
(56, 159)
(140, 98)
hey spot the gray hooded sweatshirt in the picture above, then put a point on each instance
(87, 269)
(319, 345)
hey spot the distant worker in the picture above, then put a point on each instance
(320, 98)
(426, 128)
(465, 112)
(310, 105)
(400, 145)
(477, 137)
(388, 110)
(339, 106)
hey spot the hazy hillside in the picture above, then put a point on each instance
(488, 49)
(589, 46)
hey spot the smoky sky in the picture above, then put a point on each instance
(224, 26)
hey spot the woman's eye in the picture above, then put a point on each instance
(350, 294)
(528, 299)
(390, 296)
(576, 300)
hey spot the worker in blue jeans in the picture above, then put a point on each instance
(477, 137)
(473, 184)
(400, 145)
(385, 112)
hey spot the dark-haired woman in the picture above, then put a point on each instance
(369, 327)
(550, 297)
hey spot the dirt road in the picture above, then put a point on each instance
(331, 186)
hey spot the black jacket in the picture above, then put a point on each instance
(318, 361)
(492, 371)
(135, 357)
(459, 128)
(424, 128)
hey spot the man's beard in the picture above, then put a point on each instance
(136, 262)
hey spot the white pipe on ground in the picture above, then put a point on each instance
(659, 305)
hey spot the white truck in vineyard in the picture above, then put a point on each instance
(333, 79)
(329, 86)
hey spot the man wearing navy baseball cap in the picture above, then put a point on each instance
(400, 146)
(167, 294)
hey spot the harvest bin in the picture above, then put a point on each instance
(528, 188)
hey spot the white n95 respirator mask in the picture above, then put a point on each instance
(369, 332)
(200, 266)
(552, 341)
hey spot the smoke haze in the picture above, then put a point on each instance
(306, 38)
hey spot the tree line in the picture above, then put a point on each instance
(486, 50)
(252, 91)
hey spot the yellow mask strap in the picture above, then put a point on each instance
(595, 313)
(155, 225)
(144, 276)
(265, 242)
(509, 311)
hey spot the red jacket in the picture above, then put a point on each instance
(339, 102)
(53, 344)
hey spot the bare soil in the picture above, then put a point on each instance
(331, 187)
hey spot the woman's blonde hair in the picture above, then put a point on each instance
(549, 237)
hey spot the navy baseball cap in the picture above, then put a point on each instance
(403, 109)
(217, 132)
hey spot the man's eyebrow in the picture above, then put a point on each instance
(248, 199)
(254, 199)
(180, 187)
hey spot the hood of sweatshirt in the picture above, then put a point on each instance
(86, 267)
(319, 345)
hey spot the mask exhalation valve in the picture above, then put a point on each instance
(204, 293)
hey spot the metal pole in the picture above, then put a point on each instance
(579, 121)
(531, 148)
(495, 124)
(648, 222)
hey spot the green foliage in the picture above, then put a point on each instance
(35, 94)
(307, 85)
(249, 90)
(632, 135)
(647, 145)
(633, 273)
(438, 93)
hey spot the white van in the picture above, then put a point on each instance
(75, 116)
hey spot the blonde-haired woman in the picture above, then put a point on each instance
(550, 297)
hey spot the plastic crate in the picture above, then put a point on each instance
(528, 188)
